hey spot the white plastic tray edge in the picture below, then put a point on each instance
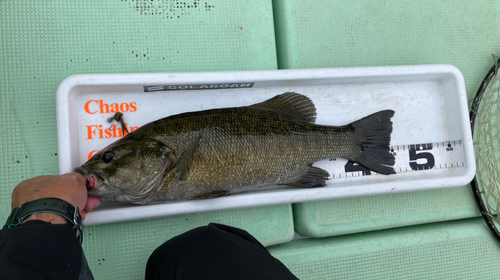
(256, 199)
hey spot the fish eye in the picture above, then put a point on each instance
(108, 157)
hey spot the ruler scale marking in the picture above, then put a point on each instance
(410, 157)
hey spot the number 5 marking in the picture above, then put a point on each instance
(415, 155)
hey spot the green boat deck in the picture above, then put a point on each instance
(422, 235)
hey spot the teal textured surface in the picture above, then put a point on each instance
(44, 42)
(121, 250)
(344, 216)
(376, 33)
(449, 250)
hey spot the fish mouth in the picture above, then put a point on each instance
(96, 185)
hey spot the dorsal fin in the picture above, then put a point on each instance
(290, 103)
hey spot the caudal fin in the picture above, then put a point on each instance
(373, 136)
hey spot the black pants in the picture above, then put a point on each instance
(214, 252)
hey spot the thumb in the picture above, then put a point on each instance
(92, 202)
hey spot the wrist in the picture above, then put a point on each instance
(46, 217)
(41, 209)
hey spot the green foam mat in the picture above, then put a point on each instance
(44, 42)
(462, 249)
(350, 215)
(120, 251)
(378, 33)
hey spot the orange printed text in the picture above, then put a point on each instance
(98, 106)
(98, 132)
(92, 153)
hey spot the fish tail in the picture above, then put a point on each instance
(373, 137)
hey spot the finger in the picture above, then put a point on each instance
(92, 202)
(79, 177)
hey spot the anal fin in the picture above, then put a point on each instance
(312, 177)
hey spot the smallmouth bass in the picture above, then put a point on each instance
(211, 153)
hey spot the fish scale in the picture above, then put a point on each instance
(250, 160)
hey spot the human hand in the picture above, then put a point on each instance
(70, 187)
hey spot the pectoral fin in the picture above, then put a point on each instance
(182, 164)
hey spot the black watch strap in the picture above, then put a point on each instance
(47, 205)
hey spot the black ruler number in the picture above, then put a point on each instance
(354, 167)
(416, 152)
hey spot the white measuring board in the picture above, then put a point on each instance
(431, 138)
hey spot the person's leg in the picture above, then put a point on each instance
(214, 252)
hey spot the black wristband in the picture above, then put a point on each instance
(47, 205)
